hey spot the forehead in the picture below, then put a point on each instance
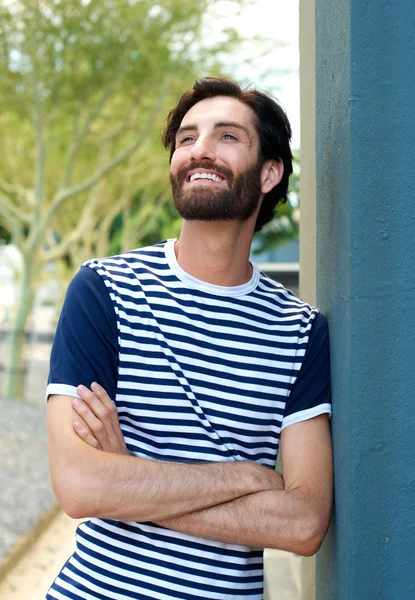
(220, 108)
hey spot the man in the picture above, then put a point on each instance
(206, 366)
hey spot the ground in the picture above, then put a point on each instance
(32, 576)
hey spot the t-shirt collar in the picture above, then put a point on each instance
(193, 282)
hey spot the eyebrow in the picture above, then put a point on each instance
(217, 125)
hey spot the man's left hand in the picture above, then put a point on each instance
(99, 413)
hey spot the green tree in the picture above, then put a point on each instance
(285, 226)
(85, 85)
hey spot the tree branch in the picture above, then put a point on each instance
(18, 214)
(38, 100)
(112, 135)
(114, 211)
(18, 190)
(61, 248)
(159, 203)
(101, 235)
(16, 227)
(73, 150)
(64, 194)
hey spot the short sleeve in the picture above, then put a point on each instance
(310, 394)
(85, 348)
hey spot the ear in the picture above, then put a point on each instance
(271, 174)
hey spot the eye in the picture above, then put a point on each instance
(229, 136)
(186, 140)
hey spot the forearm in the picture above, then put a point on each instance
(146, 489)
(281, 519)
(292, 515)
(89, 482)
(129, 488)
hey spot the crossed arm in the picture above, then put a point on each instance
(236, 502)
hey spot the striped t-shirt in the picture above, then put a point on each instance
(199, 372)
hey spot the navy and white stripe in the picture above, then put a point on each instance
(204, 373)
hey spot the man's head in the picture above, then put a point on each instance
(229, 149)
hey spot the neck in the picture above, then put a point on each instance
(216, 252)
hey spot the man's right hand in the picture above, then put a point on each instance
(100, 428)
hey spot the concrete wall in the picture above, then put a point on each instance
(365, 132)
(308, 151)
(308, 201)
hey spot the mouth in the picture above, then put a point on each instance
(204, 177)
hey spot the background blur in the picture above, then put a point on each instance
(85, 90)
(86, 86)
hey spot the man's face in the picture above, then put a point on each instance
(215, 172)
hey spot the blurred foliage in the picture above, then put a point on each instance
(5, 236)
(162, 222)
(80, 81)
(285, 225)
(86, 86)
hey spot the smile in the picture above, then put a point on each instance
(204, 177)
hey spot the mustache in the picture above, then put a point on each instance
(184, 170)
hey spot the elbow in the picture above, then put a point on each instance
(308, 541)
(73, 497)
(75, 509)
(307, 548)
(304, 537)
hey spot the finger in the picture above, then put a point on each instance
(77, 416)
(96, 426)
(85, 434)
(99, 409)
(102, 395)
(108, 439)
(105, 411)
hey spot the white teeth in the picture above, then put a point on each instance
(211, 176)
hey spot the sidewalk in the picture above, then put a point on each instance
(32, 576)
(26, 495)
(282, 578)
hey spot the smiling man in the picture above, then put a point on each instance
(232, 189)
(207, 368)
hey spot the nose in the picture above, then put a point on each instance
(203, 149)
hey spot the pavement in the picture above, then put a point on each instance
(26, 496)
(33, 574)
(36, 537)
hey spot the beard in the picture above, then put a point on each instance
(237, 202)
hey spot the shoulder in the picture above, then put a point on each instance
(289, 304)
(88, 299)
(125, 273)
(87, 284)
(144, 255)
(310, 391)
(320, 328)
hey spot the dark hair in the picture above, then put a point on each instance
(271, 122)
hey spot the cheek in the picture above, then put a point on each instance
(177, 161)
(173, 164)
(236, 158)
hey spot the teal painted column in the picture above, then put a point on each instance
(365, 143)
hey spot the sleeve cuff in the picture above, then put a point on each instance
(61, 389)
(304, 415)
